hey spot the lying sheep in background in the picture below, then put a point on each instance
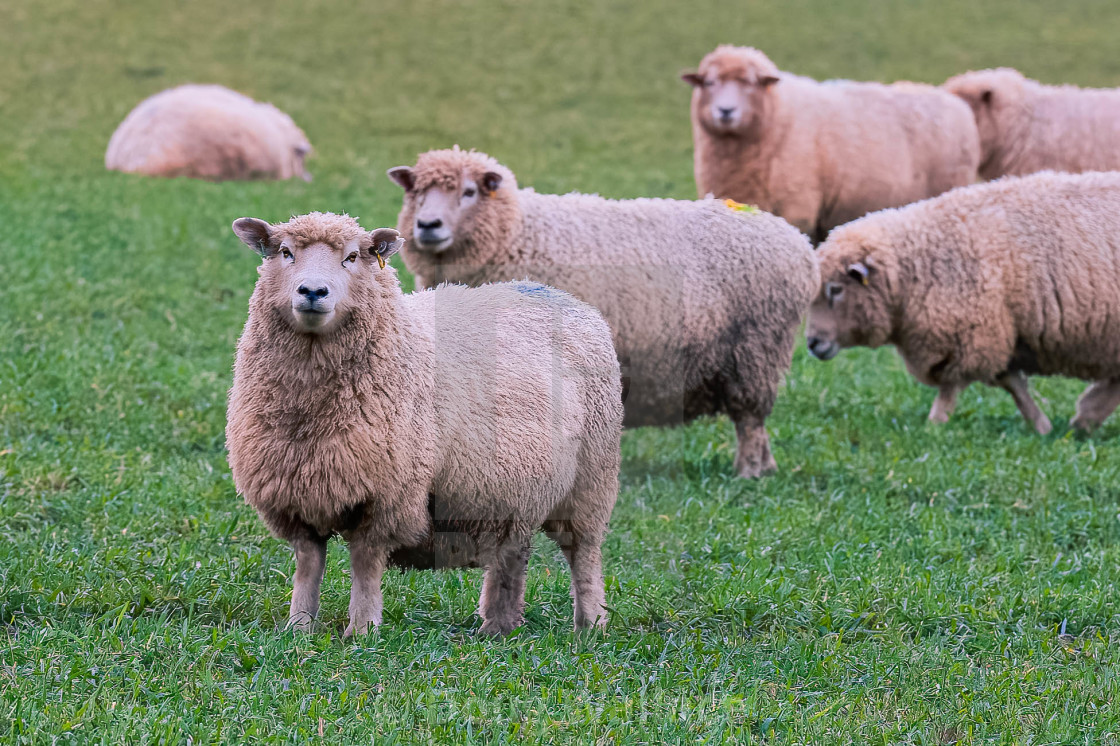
(821, 154)
(208, 132)
(987, 283)
(703, 298)
(1027, 127)
(361, 411)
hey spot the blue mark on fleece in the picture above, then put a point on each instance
(536, 289)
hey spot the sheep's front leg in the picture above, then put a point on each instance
(502, 603)
(945, 403)
(1096, 404)
(311, 561)
(367, 565)
(1015, 383)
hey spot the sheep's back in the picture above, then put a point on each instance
(525, 378)
(1072, 129)
(876, 146)
(685, 286)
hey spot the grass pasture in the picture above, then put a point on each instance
(894, 583)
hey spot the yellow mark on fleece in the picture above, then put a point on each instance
(739, 206)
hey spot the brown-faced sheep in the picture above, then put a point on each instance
(1027, 127)
(387, 418)
(990, 283)
(208, 132)
(704, 298)
(821, 154)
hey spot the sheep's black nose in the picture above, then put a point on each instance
(313, 294)
(726, 113)
(428, 225)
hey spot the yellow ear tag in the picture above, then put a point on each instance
(739, 206)
(863, 280)
(381, 262)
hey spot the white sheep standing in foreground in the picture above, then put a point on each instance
(208, 132)
(704, 298)
(391, 419)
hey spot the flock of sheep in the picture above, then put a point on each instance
(445, 427)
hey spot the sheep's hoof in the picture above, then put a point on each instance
(599, 624)
(358, 629)
(300, 623)
(492, 628)
(1042, 426)
(754, 470)
(1083, 425)
(937, 417)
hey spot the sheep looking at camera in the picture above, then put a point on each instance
(387, 418)
(821, 154)
(704, 298)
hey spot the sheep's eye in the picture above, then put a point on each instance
(708, 82)
(834, 291)
(287, 254)
(350, 259)
(468, 192)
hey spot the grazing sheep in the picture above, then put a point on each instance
(989, 283)
(821, 154)
(392, 419)
(208, 132)
(1027, 127)
(703, 298)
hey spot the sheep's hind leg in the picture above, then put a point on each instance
(1096, 404)
(588, 597)
(752, 453)
(945, 403)
(1015, 383)
(311, 562)
(367, 565)
(502, 603)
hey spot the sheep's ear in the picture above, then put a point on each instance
(403, 177)
(767, 80)
(693, 79)
(859, 272)
(491, 180)
(256, 234)
(383, 243)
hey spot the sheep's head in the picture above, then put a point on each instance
(300, 151)
(316, 266)
(451, 197)
(298, 147)
(730, 89)
(854, 305)
(994, 96)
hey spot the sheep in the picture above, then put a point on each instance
(392, 419)
(992, 283)
(703, 298)
(1027, 127)
(208, 132)
(821, 154)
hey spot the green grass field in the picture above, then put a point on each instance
(894, 583)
